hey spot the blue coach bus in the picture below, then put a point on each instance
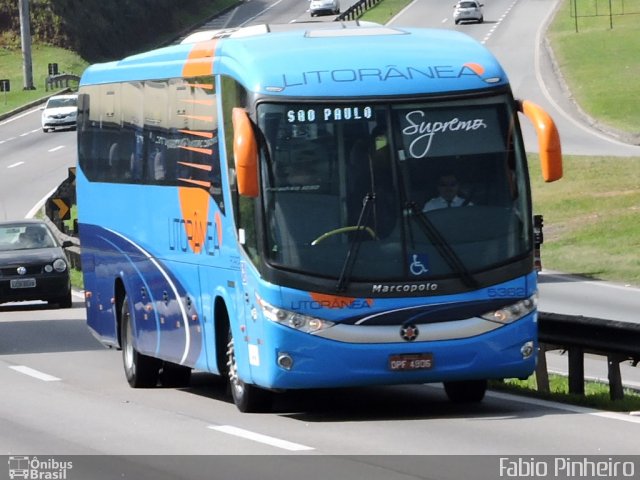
(271, 204)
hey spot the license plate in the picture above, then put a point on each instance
(23, 283)
(411, 361)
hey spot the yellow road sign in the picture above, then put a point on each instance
(63, 208)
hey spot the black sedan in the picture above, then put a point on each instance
(33, 264)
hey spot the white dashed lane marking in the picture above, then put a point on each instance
(257, 437)
(35, 373)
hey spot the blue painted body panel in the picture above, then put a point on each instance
(133, 233)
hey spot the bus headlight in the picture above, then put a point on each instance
(513, 312)
(297, 321)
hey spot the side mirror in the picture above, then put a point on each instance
(245, 153)
(67, 244)
(548, 140)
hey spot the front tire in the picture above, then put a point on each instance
(247, 398)
(467, 391)
(141, 370)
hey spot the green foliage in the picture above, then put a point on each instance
(105, 30)
(384, 11)
(42, 55)
(46, 27)
(77, 281)
(591, 223)
(596, 393)
(598, 55)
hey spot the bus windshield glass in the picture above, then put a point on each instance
(382, 191)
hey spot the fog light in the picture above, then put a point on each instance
(285, 361)
(527, 350)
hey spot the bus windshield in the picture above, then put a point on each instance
(394, 191)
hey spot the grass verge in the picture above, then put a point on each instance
(41, 56)
(598, 56)
(591, 216)
(385, 11)
(596, 394)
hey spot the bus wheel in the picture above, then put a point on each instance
(174, 375)
(468, 391)
(141, 371)
(247, 398)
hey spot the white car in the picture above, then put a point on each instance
(466, 10)
(324, 7)
(60, 111)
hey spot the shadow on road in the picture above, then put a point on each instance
(381, 403)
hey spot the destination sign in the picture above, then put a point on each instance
(328, 113)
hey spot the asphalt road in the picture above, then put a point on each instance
(66, 394)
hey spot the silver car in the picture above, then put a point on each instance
(61, 111)
(468, 10)
(324, 7)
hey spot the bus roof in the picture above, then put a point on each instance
(322, 59)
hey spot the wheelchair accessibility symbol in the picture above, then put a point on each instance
(418, 265)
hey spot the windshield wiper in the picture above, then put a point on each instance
(443, 247)
(349, 261)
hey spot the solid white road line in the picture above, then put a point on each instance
(35, 373)
(625, 417)
(257, 437)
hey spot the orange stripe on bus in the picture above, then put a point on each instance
(204, 86)
(194, 203)
(197, 133)
(206, 151)
(200, 59)
(199, 166)
(204, 118)
(200, 183)
(208, 103)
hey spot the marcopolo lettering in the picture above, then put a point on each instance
(405, 288)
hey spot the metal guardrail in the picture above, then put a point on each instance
(356, 10)
(618, 341)
(61, 81)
